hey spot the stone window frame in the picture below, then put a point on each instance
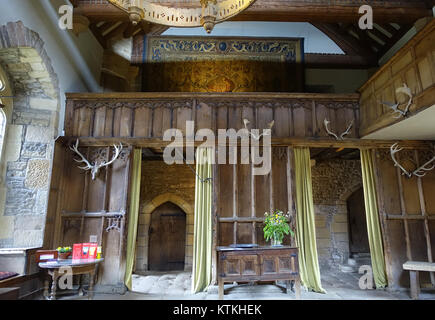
(3, 118)
(5, 114)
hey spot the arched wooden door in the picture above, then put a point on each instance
(167, 238)
(358, 237)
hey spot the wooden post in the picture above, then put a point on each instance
(415, 284)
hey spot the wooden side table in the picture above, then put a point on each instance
(56, 269)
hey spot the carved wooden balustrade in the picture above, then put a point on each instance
(413, 65)
(146, 116)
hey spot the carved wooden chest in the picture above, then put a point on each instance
(258, 264)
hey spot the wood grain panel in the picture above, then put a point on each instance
(99, 122)
(244, 233)
(244, 190)
(413, 65)
(143, 122)
(226, 194)
(279, 172)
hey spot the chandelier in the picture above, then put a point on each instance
(182, 13)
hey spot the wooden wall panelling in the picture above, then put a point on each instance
(94, 189)
(322, 113)
(291, 191)
(183, 114)
(243, 198)
(117, 121)
(83, 206)
(280, 183)
(215, 213)
(221, 117)
(423, 206)
(142, 122)
(414, 65)
(283, 120)
(162, 120)
(295, 115)
(264, 116)
(403, 207)
(204, 116)
(55, 195)
(126, 122)
(99, 121)
(392, 230)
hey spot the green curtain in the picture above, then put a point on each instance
(133, 215)
(305, 226)
(372, 217)
(202, 236)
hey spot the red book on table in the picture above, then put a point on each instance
(85, 250)
(93, 250)
(77, 251)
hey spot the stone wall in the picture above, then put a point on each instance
(164, 183)
(333, 182)
(32, 120)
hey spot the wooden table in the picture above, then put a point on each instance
(78, 267)
(258, 264)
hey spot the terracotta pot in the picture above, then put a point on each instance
(64, 255)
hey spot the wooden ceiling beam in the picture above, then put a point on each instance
(130, 30)
(277, 142)
(365, 39)
(349, 44)
(389, 28)
(107, 27)
(96, 32)
(117, 31)
(396, 37)
(289, 10)
(378, 34)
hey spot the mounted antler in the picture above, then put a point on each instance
(341, 137)
(98, 163)
(419, 172)
(395, 106)
(257, 137)
(393, 150)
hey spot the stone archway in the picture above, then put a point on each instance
(32, 123)
(144, 224)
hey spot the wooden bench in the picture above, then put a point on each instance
(414, 268)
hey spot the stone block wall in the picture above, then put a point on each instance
(163, 183)
(333, 182)
(32, 120)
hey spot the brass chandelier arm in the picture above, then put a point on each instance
(207, 14)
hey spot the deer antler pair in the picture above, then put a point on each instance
(419, 172)
(98, 164)
(395, 106)
(255, 136)
(341, 137)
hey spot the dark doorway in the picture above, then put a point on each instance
(358, 237)
(167, 238)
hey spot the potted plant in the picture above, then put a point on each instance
(277, 225)
(64, 252)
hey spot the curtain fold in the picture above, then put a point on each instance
(372, 217)
(133, 215)
(202, 237)
(305, 225)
